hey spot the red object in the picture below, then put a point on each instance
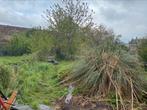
(11, 100)
(2, 104)
(6, 104)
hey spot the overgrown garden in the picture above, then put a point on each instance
(91, 58)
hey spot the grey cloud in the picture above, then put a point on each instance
(126, 17)
(26, 13)
(111, 14)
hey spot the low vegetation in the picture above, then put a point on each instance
(36, 82)
(5, 77)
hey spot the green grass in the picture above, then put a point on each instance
(37, 82)
(7, 60)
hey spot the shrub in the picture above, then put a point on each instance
(18, 45)
(43, 54)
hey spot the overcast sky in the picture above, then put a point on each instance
(125, 17)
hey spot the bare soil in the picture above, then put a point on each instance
(81, 103)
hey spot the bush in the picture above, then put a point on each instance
(40, 39)
(43, 54)
(27, 42)
(18, 45)
(2, 50)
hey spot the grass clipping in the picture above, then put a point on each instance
(105, 72)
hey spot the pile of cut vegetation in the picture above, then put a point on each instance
(110, 72)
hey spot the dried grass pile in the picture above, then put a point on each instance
(108, 69)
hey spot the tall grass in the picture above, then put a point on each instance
(36, 82)
(4, 77)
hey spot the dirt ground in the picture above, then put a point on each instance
(81, 103)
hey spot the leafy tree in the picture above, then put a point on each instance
(65, 22)
(39, 39)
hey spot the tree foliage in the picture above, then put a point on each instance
(65, 22)
(39, 39)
